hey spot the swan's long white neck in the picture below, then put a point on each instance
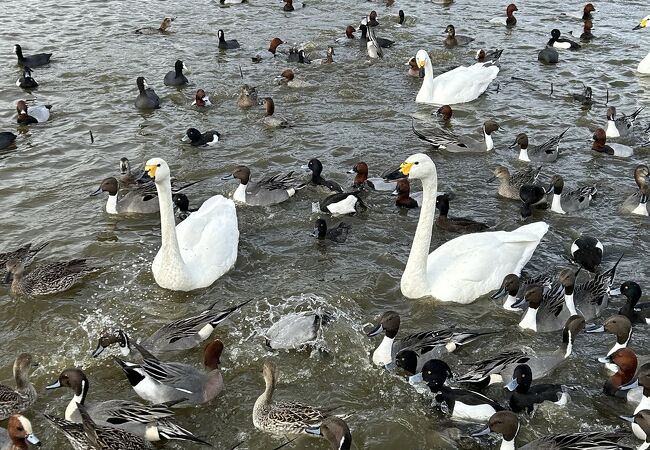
(426, 90)
(170, 251)
(414, 282)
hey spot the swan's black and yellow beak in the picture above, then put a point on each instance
(402, 172)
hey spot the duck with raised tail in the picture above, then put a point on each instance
(463, 269)
(201, 248)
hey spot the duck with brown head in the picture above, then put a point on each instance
(19, 434)
(454, 40)
(13, 401)
(349, 32)
(625, 361)
(621, 327)
(600, 145)
(642, 379)
(403, 193)
(47, 279)
(548, 151)
(32, 114)
(509, 20)
(269, 119)
(269, 191)
(622, 125)
(637, 203)
(164, 27)
(515, 287)
(335, 430)
(444, 139)
(138, 201)
(510, 184)
(361, 180)
(564, 202)
(201, 99)
(247, 96)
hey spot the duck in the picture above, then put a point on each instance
(642, 379)
(510, 20)
(160, 382)
(268, 191)
(373, 47)
(621, 327)
(282, 417)
(26, 81)
(175, 77)
(88, 435)
(14, 401)
(625, 362)
(515, 287)
(198, 139)
(7, 139)
(165, 25)
(637, 203)
(128, 176)
(452, 40)
(382, 42)
(349, 32)
(531, 195)
(460, 404)
(147, 98)
(644, 64)
(455, 224)
(586, 12)
(226, 44)
(501, 367)
(153, 423)
(620, 126)
(403, 192)
(460, 85)
(506, 423)
(488, 56)
(572, 201)
(641, 420)
(273, 49)
(269, 119)
(546, 152)
(139, 201)
(586, 34)
(288, 6)
(181, 334)
(559, 42)
(548, 55)
(371, 19)
(460, 279)
(546, 309)
(247, 96)
(201, 248)
(232, 2)
(413, 350)
(587, 252)
(335, 430)
(18, 434)
(201, 100)
(25, 254)
(302, 57)
(296, 330)
(316, 167)
(46, 279)
(400, 18)
(361, 179)
(511, 184)
(33, 114)
(39, 59)
(445, 113)
(341, 203)
(182, 208)
(524, 396)
(287, 78)
(443, 139)
(337, 234)
(635, 312)
(329, 56)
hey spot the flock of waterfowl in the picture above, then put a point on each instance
(200, 245)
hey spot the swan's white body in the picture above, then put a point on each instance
(460, 85)
(644, 65)
(463, 269)
(201, 248)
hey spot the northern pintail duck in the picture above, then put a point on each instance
(342, 203)
(404, 198)
(514, 287)
(455, 224)
(546, 309)
(644, 65)
(226, 44)
(13, 401)
(269, 119)
(560, 42)
(453, 40)
(316, 167)
(18, 435)
(600, 145)
(138, 201)
(509, 20)
(621, 327)
(548, 151)
(129, 176)
(339, 233)
(7, 139)
(361, 179)
(87, 435)
(620, 126)
(641, 420)
(165, 25)
(524, 396)
(511, 184)
(587, 252)
(460, 85)
(335, 430)
(26, 81)
(159, 381)
(282, 417)
(181, 334)
(296, 330)
(150, 422)
(413, 350)
(201, 99)
(506, 424)
(636, 313)
(198, 139)
(443, 139)
(572, 201)
(501, 367)
(488, 56)
(642, 379)
(47, 279)
(182, 208)
(268, 191)
(247, 96)
(39, 59)
(25, 254)
(175, 77)
(637, 203)
(379, 41)
(460, 404)
(548, 55)
(147, 98)
(32, 114)
(625, 362)
(373, 46)
(445, 273)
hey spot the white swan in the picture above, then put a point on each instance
(463, 269)
(644, 65)
(460, 85)
(202, 247)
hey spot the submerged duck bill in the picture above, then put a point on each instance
(500, 293)
(520, 303)
(32, 439)
(55, 385)
(483, 432)
(313, 430)
(230, 176)
(604, 360)
(512, 385)
(97, 192)
(416, 379)
(627, 418)
(615, 292)
(375, 331)
(98, 351)
(593, 328)
(631, 385)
